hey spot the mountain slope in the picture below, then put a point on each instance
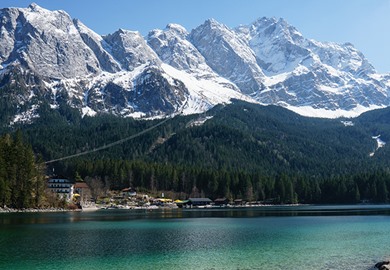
(237, 137)
(45, 56)
(242, 150)
(183, 61)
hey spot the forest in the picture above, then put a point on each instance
(22, 176)
(239, 150)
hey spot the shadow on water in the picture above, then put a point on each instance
(247, 212)
(301, 237)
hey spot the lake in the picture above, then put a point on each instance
(276, 237)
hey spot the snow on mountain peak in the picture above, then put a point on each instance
(212, 22)
(33, 7)
(173, 48)
(228, 55)
(267, 61)
(277, 45)
(40, 16)
(277, 27)
(180, 30)
(130, 49)
(46, 42)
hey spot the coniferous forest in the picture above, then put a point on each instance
(240, 150)
(22, 178)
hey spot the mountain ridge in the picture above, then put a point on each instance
(177, 71)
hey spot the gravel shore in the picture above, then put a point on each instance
(32, 210)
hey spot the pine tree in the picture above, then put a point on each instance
(357, 193)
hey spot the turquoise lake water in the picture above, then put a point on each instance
(296, 237)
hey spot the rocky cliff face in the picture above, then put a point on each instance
(228, 55)
(130, 49)
(306, 72)
(99, 46)
(118, 73)
(46, 42)
(45, 56)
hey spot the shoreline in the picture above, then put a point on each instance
(5, 210)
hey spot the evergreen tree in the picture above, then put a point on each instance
(22, 181)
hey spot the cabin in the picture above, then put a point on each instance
(64, 188)
(195, 202)
(239, 202)
(221, 202)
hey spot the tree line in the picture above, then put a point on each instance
(244, 152)
(22, 178)
(183, 182)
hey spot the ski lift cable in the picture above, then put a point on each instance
(110, 144)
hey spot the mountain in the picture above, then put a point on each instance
(46, 57)
(70, 63)
(304, 72)
(228, 55)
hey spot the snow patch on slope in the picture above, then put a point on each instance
(204, 93)
(26, 117)
(200, 121)
(348, 123)
(379, 142)
(331, 114)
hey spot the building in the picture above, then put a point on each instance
(129, 192)
(83, 191)
(221, 202)
(62, 187)
(181, 203)
(199, 201)
(239, 202)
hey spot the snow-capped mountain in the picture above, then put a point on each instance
(48, 57)
(302, 72)
(45, 42)
(227, 54)
(183, 61)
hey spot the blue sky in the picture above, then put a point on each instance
(364, 23)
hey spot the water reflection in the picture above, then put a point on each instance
(274, 237)
(11, 219)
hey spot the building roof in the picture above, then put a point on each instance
(181, 201)
(58, 180)
(81, 185)
(164, 200)
(221, 200)
(129, 190)
(199, 200)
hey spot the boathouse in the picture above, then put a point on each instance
(221, 201)
(199, 201)
(239, 202)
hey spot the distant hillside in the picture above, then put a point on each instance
(242, 141)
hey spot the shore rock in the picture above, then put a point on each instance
(31, 210)
(384, 265)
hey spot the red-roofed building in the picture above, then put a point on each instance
(83, 190)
